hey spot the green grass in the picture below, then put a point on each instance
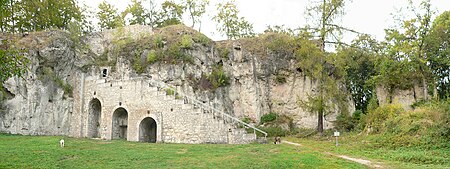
(44, 152)
(365, 147)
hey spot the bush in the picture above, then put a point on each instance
(281, 79)
(186, 42)
(152, 57)
(202, 39)
(158, 42)
(426, 127)
(345, 122)
(375, 120)
(268, 117)
(218, 78)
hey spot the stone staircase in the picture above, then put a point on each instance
(214, 126)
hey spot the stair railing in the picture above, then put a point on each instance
(203, 105)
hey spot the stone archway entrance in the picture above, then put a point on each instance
(147, 130)
(120, 124)
(94, 118)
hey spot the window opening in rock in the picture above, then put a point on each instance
(104, 72)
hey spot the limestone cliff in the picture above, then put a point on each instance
(258, 81)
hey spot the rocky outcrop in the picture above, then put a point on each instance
(41, 103)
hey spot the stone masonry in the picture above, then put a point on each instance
(124, 106)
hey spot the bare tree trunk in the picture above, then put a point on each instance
(320, 122)
(425, 88)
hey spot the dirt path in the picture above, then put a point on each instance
(358, 160)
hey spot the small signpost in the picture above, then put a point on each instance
(336, 134)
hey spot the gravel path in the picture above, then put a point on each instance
(358, 160)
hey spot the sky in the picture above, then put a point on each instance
(366, 16)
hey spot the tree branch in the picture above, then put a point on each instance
(346, 29)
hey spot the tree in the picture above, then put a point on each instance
(6, 15)
(406, 52)
(360, 58)
(12, 63)
(325, 69)
(229, 24)
(152, 13)
(137, 12)
(196, 9)
(437, 50)
(171, 14)
(109, 17)
(321, 66)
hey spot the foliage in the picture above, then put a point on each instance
(229, 24)
(47, 73)
(375, 120)
(171, 14)
(223, 51)
(280, 79)
(201, 39)
(158, 41)
(186, 42)
(268, 117)
(152, 57)
(195, 9)
(218, 78)
(30, 15)
(137, 12)
(12, 61)
(438, 53)
(360, 58)
(109, 17)
(347, 122)
(327, 71)
(425, 127)
(170, 92)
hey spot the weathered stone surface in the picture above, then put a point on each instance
(42, 107)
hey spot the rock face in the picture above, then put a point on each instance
(37, 104)
(66, 88)
(403, 97)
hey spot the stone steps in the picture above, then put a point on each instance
(217, 122)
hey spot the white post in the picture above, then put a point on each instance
(336, 134)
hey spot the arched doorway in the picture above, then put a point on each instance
(94, 118)
(120, 124)
(147, 130)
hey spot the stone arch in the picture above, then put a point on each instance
(148, 130)
(94, 118)
(120, 123)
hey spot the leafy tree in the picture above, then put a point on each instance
(406, 56)
(12, 63)
(46, 14)
(360, 58)
(171, 14)
(321, 66)
(230, 24)
(437, 50)
(152, 14)
(326, 70)
(109, 17)
(6, 15)
(196, 9)
(137, 12)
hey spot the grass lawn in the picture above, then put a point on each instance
(360, 146)
(44, 152)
